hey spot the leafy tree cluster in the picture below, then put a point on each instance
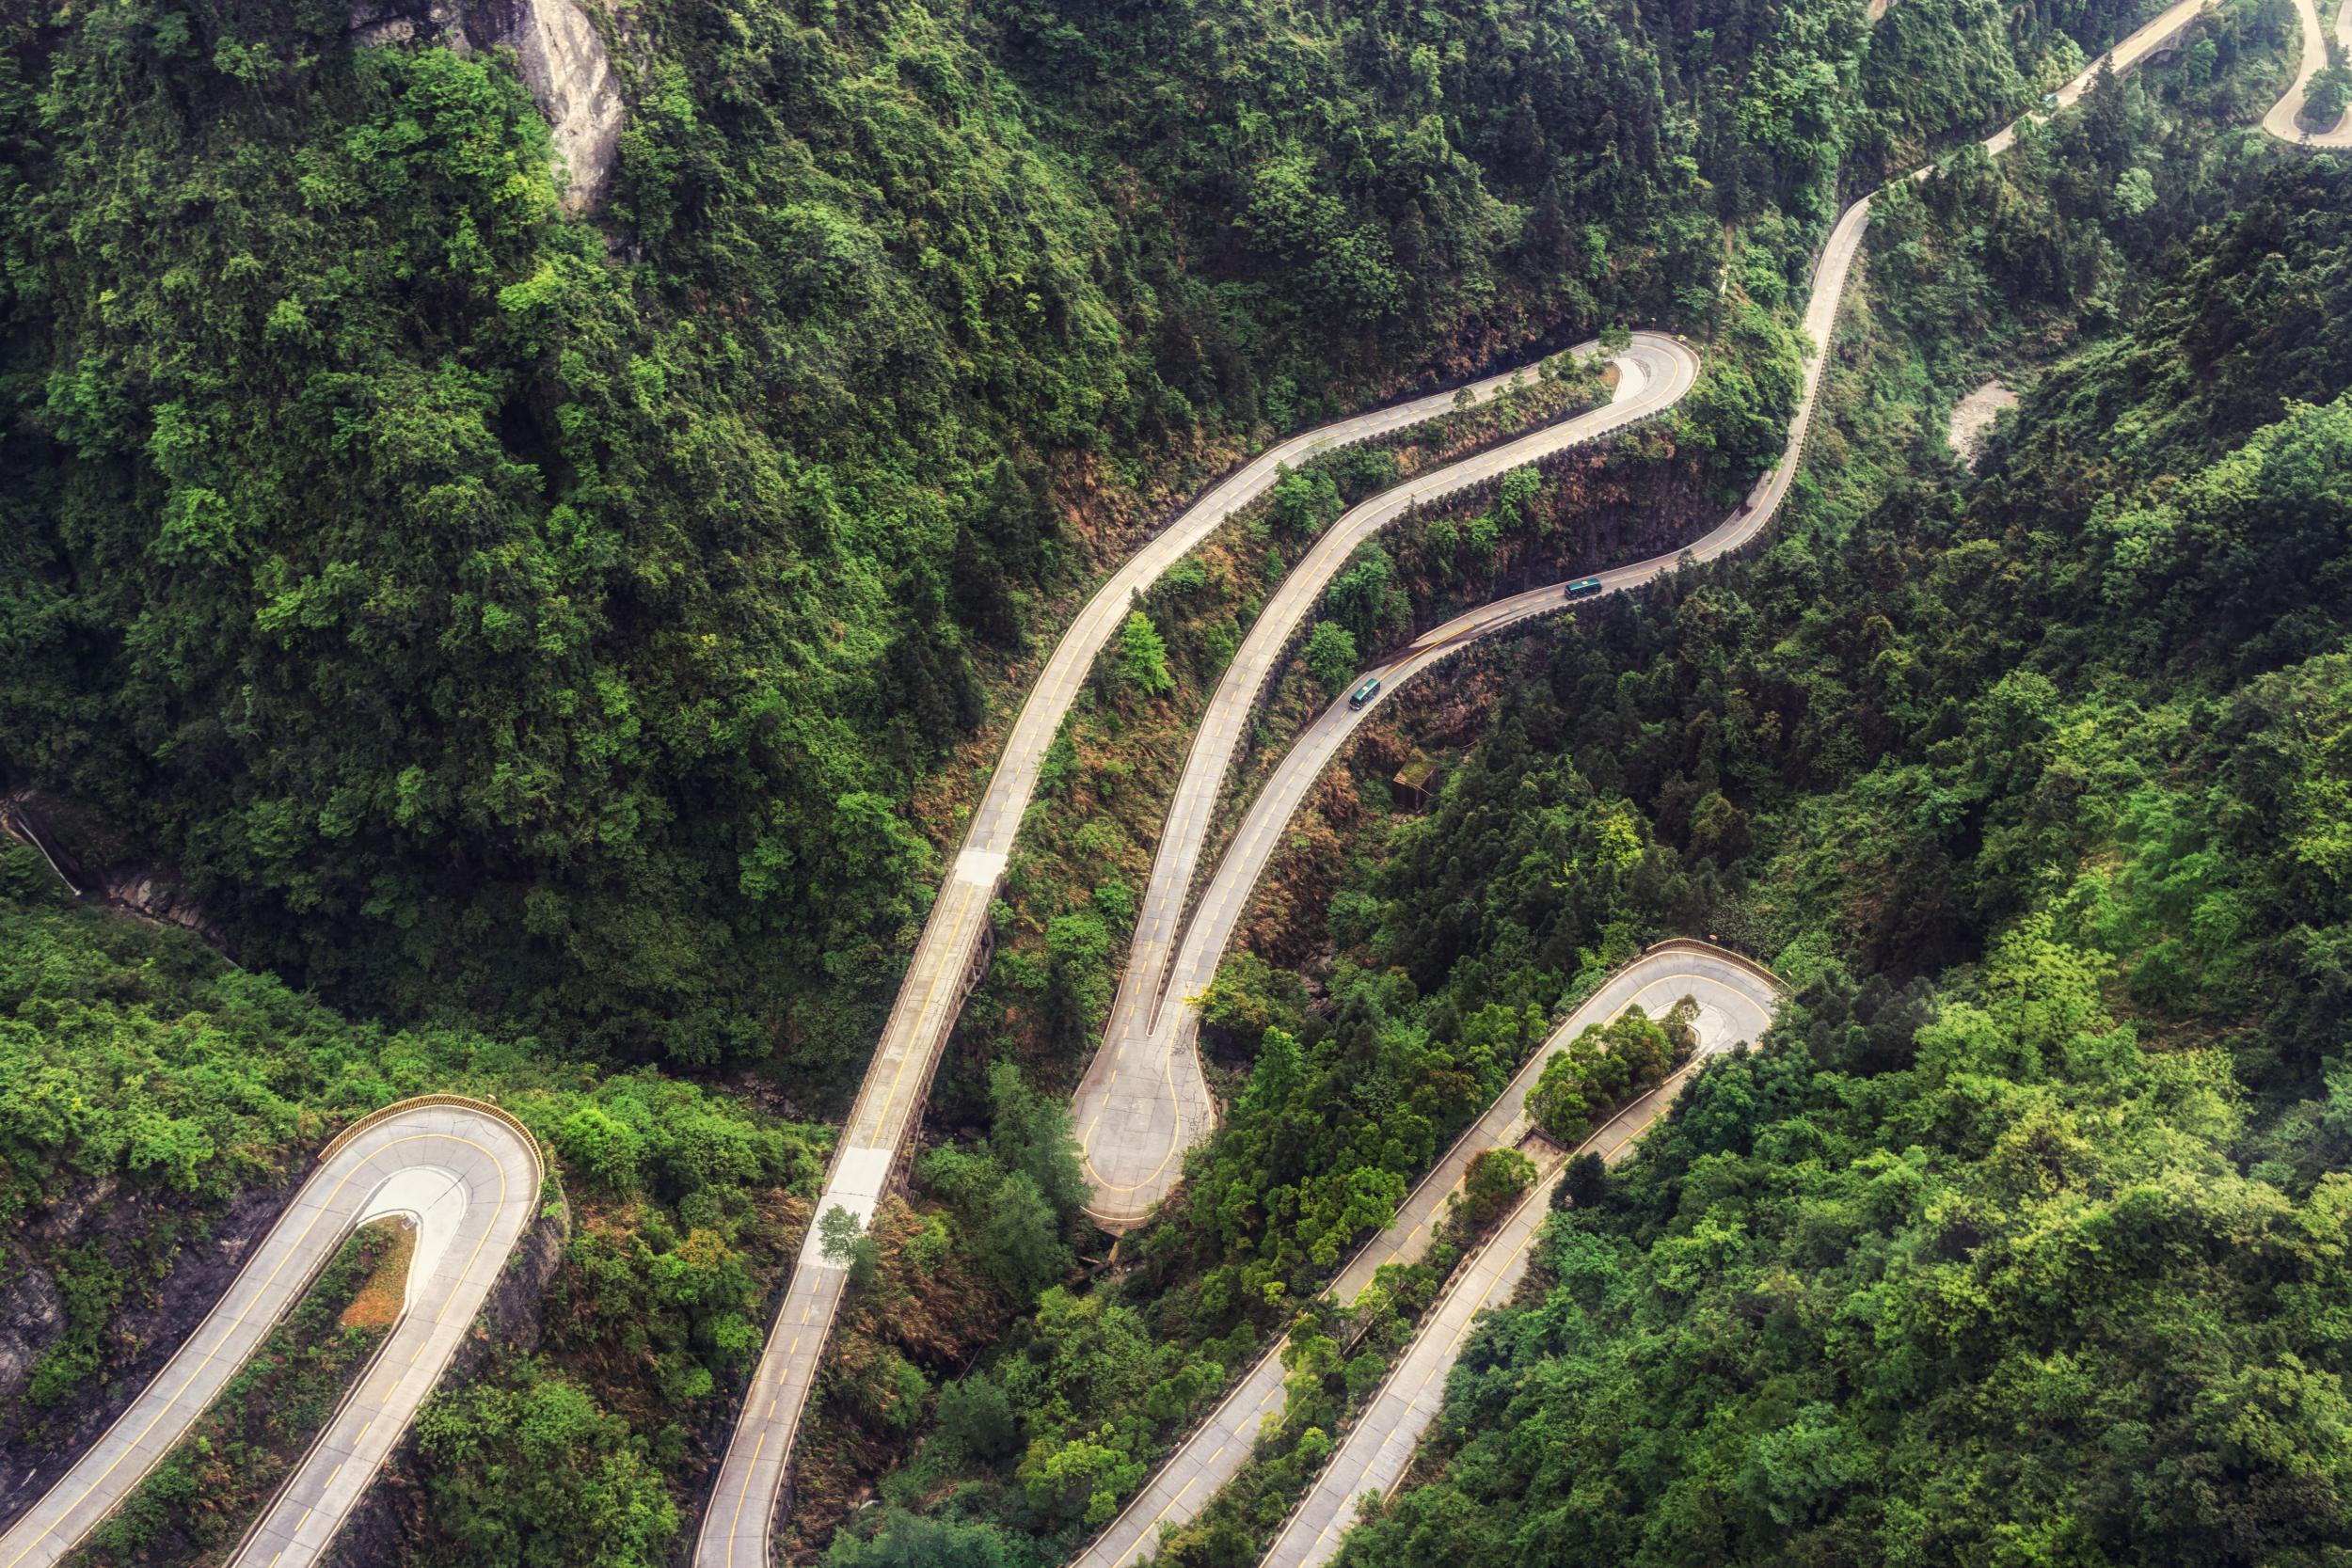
(2093, 1336)
(484, 620)
(1603, 1067)
(1018, 1193)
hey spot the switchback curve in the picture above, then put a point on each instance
(739, 1520)
(468, 1175)
(1140, 1105)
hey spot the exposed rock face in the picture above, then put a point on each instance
(31, 1315)
(35, 1445)
(144, 890)
(1973, 417)
(558, 52)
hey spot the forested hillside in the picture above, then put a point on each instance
(2015, 1241)
(555, 649)
(552, 621)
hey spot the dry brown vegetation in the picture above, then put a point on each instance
(385, 1291)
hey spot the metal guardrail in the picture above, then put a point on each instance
(385, 1112)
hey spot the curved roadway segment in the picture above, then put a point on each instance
(2284, 116)
(1736, 999)
(1141, 1104)
(467, 1174)
(739, 1521)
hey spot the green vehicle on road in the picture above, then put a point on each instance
(1365, 692)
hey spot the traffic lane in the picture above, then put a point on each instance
(739, 1523)
(470, 1209)
(2281, 119)
(1184, 1484)
(1738, 1000)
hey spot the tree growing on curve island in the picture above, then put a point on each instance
(1331, 655)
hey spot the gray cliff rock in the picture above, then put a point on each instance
(558, 52)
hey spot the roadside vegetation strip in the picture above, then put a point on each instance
(1377, 1448)
(470, 1177)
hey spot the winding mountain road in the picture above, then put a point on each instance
(468, 1176)
(1380, 1446)
(1144, 1101)
(1141, 1103)
(739, 1522)
(1139, 1109)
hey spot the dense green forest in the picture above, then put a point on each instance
(2019, 1246)
(558, 622)
(1658, 774)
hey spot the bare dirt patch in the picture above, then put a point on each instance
(1972, 414)
(378, 1305)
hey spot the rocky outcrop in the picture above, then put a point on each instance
(558, 52)
(32, 1314)
(125, 1225)
(141, 888)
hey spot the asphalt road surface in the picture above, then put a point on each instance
(468, 1177)
(1143, 1102)
(1736, 998)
